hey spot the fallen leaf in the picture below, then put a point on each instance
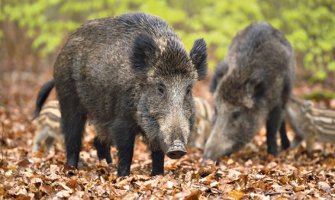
(46, 189)
(298, 188)
(235, 194)
(63, 194)
(194, 195)
(72, 183)
(324, 186)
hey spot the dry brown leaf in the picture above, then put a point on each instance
(235, 194)
(22, 197)
(324, 186)
(63, 194)
(2, 191)
(249, 173)
(298, 188)
(284, 179)
(72, 183)
(46, 189)
(24, 163)
(195, 194)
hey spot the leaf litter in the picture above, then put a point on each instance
(247, 174)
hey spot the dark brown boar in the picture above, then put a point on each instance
(129, 74)
(251, 86)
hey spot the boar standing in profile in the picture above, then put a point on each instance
(310, 123)
(128, 74)
(251, 86)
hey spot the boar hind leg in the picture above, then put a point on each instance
(310, 140)
(285, 142)
(157, 163)
(73, 123)
(272, 126)
(49, 142)
(103, 150)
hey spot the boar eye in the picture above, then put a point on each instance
(161, 89)
(189, 89)
(236, 114)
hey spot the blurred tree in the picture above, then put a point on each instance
(309, 25)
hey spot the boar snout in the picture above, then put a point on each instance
(216, 154)
(176, 150)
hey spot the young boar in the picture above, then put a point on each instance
(310, 123)
(129, 74)
(47, 126)
(251, 86)
(203, 126)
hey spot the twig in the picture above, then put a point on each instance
(277, 193)
(1, 138)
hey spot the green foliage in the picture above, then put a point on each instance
(320, 95)
(309, 25)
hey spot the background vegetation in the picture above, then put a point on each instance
(34, 30)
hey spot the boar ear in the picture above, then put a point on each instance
(198, 56)
(220, 71)
(143, 53)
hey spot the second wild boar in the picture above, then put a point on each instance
(251, 87)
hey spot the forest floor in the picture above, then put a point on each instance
(247, 174)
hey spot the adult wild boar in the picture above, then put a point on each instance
(128, 74)
(251, 86)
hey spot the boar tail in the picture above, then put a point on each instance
(42, 96)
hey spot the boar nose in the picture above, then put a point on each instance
(208, 155)
(177, 150)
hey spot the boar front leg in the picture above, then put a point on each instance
(272, 126)
(124, 142)
(285, 142)
(157, 163)
(42, 134)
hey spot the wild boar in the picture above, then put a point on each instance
(251, 86)
(310, 123)
(129, 74)
(47, 126)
